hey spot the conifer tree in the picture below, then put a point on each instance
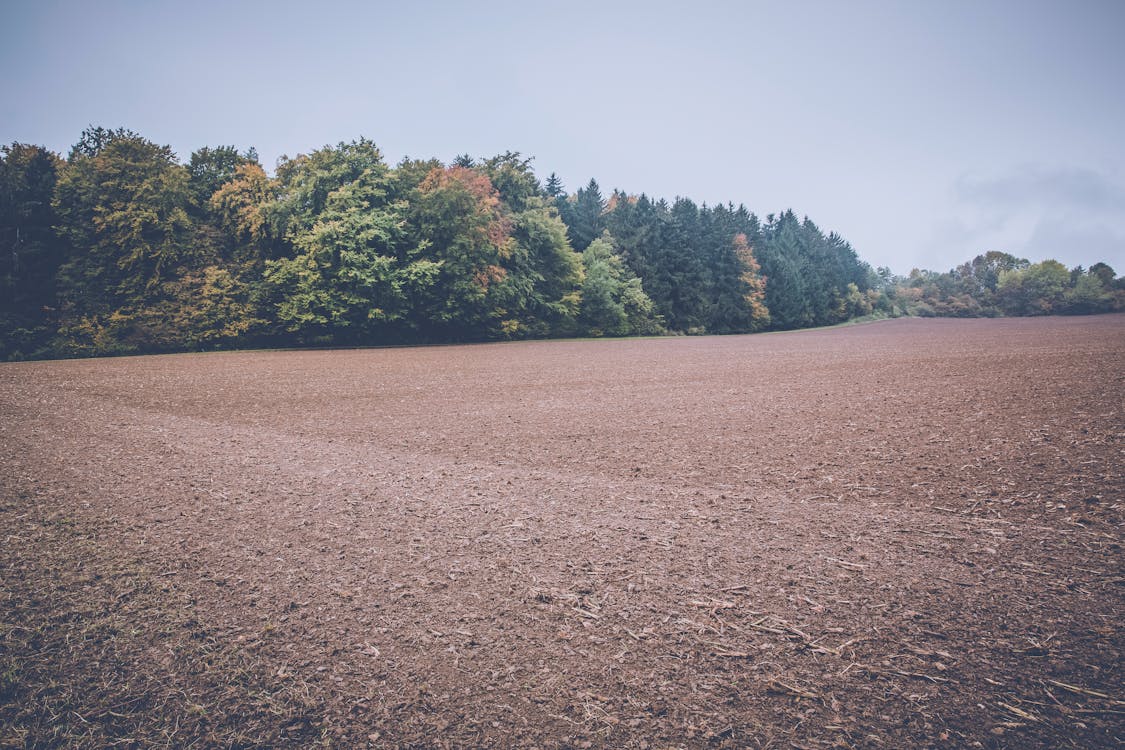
(584, 216)
(30, 252)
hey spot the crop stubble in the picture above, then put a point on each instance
(898, 534)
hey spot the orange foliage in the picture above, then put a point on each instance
(752, 277)
(616, 198)
(240, 201)
(485, 277)
(473, 182)
(485, 200)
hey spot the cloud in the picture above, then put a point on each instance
(964, 234)
(958, 230)
(1034, 186)
(1081, 243)
(1073, 214)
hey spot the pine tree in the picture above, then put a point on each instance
(584, 218)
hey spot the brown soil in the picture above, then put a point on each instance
(903, 534)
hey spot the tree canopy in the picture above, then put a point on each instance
(996, 283)
(121, 247)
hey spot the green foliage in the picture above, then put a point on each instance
(613, 300)
(699, 279)
(810, 274)
(340, 281)
(1000, 284)
(583, 215)
(153, 265)
(783, 252)
(1035, 290)
(211, 168)
(94, 139)
(554, 188)
(1088, 294)
(240, 208)
(121, 248)
(458, 223)
(513, 179)
(1105, 275)
(122, 205)
(678, 275)
(409, 173)
(30, 252)
(734, 295)
(545, 274)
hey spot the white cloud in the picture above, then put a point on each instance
(1073, 214)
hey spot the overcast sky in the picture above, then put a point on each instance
(924, 133)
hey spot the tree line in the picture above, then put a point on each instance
(122, 248)
(995, 284)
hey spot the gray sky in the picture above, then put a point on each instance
(924, 133)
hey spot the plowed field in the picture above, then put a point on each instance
(900, 534)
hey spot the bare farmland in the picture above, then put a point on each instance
(899, 534)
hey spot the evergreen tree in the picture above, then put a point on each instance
(554, 187)
(662, 245)
(583, 216)
(30, 253)
(136, 252)
(679, 280)
(635, 224)
(781, 261)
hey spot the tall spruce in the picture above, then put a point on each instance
(30, 251)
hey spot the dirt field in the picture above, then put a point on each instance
(901, 534)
